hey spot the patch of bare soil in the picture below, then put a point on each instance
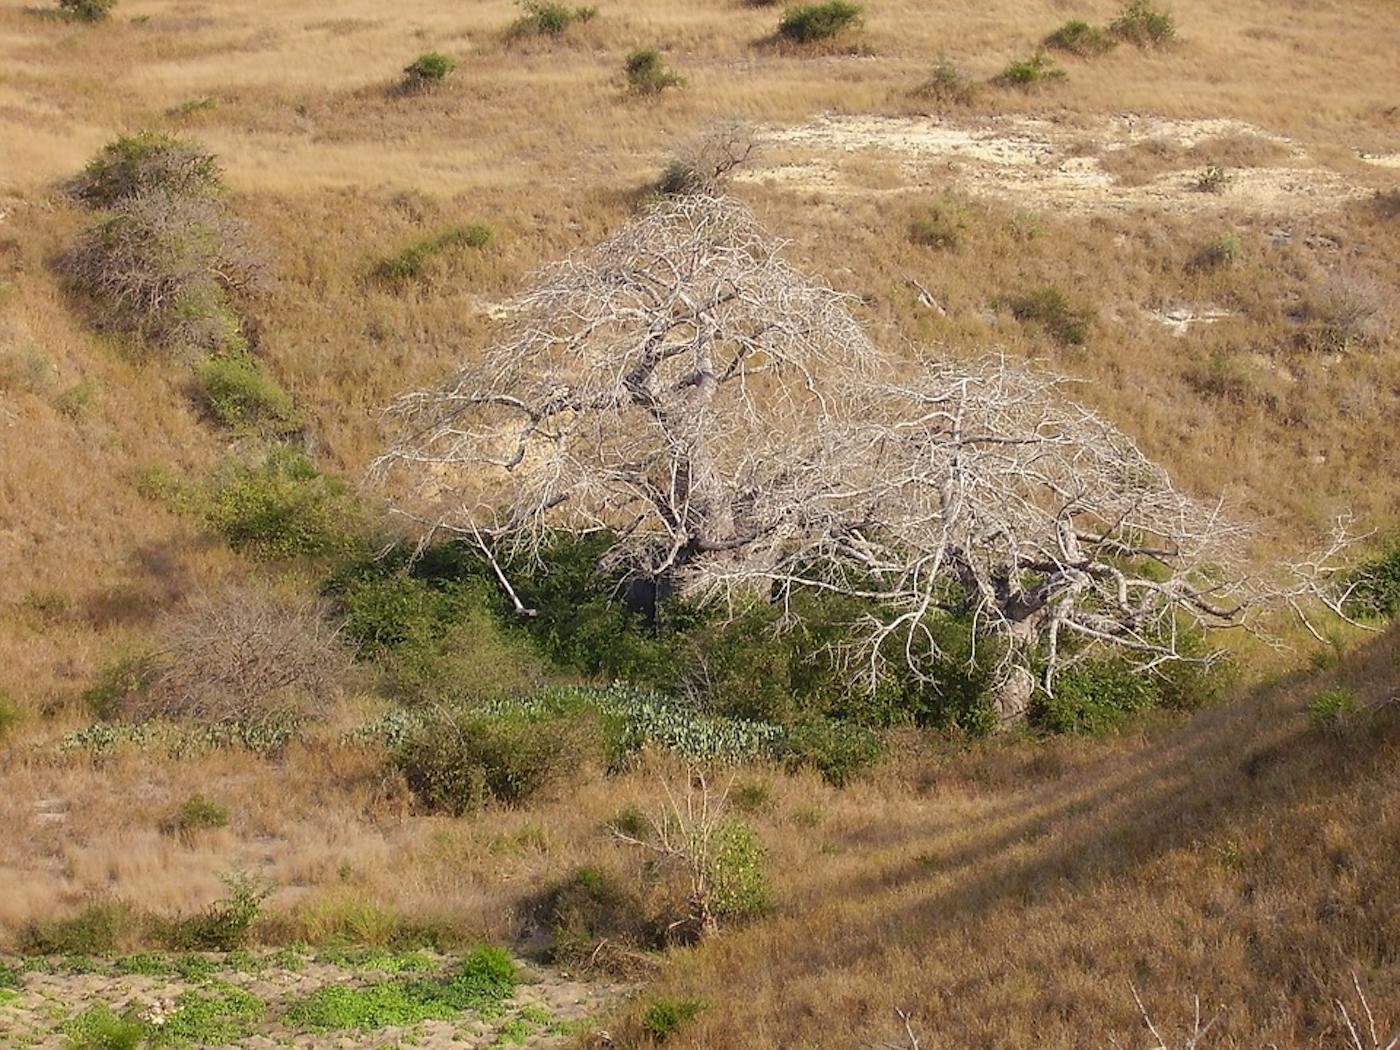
(1041, 163)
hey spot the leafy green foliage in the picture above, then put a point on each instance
(805, 23)
(1214, 179)
(87, 10)
(238, 392)
(1049, 307)
(545, 18)
(1026, 73)
(738, 882)
(9, 714)
(947, 86)
(1331, 709)
(281, 508)
(1374, 587)
(839, 751)
(224, 925)
(939, 225)
(1093, 698)
(1078, 37)
(647, 73)
(413, 261)
(1144, 25)
(428, 70)
(144, 162)
(101, 1028)
(664, 1017)
(97, 929)
(217, 1017)
(197, 813)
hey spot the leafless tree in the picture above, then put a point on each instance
(1362, 1033)
(727, 419)
(243, 657)
(705, 163)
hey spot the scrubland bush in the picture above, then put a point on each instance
(665, 1017)
(1049, 307)
(1347, 309)
(9, 714)
(1144, 25)
(839, 751)
(237, 391)
(99, 1027)
(412, 262)
(1374, 588)
(1214, 179)
(1225, 250)
(947, 86)
(1027, 73)
(148, 162)
(806, 23)
(281, 507)
(939, 225)
(738, 881)
(241, 657)
(226, 924)
(196, 814)
(596, 921)
(705, 162)
(647, 73)
(461, 760)
(1093, 698)
(427, 71)
(99, 928)
(1077, 37)
(544, 18)
(87, 10)
(1331, 709)
(164, 265)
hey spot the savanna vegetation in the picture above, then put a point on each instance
(832, 574)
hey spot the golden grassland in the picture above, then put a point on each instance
(1007, 897)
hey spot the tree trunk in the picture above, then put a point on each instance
(1013, 698)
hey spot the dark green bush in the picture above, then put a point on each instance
(1144, 25)
(1078, 37)
(148, 161)
(116, 684)
(544, 18)
(1027, 73)
(238, 392)
(664, 1017)
(1093, 698)
(738, 882)
(1374, 586)
(226, 924)
(462, 760)
(98, 929)
(947, 86)
(1049, 307)
(647, 73)
(428, 70)
(87, 10)
(197, 813)
(939, 225)
(590, 908)
(99, 1027)
(282, 508)
(412, 262)
(839, 751)
(805, 23)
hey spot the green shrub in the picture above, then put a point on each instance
(428, 70)
(664, 1017)
(839, 751)
(100, 1028)
(227, 923)
(1049, 307)
(805, 23)
(461, 760)
(281, 508)
(749, 796)
(939, 225)
(1142, 24)
(1213, 179)
(87, 10)
(591, 908)
(1373, 590)
(1332, 709)
(226, 1015)
(1078, 37)
(98, 929)
(1094, 697)
(79, 401)
(647, 73)
(197, 813)
(241, 395)
(1225, 250)
(412, 262)
(947, 86)
(738, 883)
(1027, 73)
(544, 18)
(148, 161)
(9, 714)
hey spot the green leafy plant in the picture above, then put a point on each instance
(806, 23)
(198, 813)
(218, 1017)
(664, 1017)
(1027, 73)
(87, 10)
(281, 507)
(839, 751)
(1373, 590)
(1049, 307)
(596, 921)
(100, 1028)
(9, 714)
(412, 262)
(1144, 25)
(545, 18)
(99, 928)
(227, 923)
(947, 85)
(427, 71)
(1093, 698)
(1332, 709)
(239, 393)
(939, 225)
(147, 162)
(1213, 179)
(647, 73)
(1077, 37)
(738, 881)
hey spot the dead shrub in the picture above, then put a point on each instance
(244, 658)
(165, 265)
(705, 163)
(1348, 309)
